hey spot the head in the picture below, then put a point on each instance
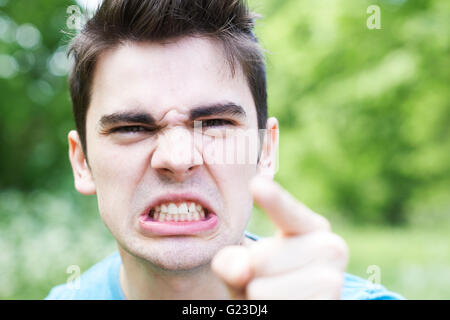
(144, 72)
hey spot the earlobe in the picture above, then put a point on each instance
(268, 162)
(84, 182)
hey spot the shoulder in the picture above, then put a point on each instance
(100, 282)
(356, 288)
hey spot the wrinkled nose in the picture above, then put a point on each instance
(176, 155)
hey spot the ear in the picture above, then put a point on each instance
(84, 182)
(268, 161)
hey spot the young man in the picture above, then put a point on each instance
(145, 73)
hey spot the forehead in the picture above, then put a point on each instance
(160, 76)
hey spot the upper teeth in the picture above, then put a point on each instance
(184, 211)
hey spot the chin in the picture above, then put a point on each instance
(185, 264)
(175, 255)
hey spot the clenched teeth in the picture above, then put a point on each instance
(185, 211)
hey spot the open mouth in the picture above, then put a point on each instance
(178, 212)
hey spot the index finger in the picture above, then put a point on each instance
(289, 215)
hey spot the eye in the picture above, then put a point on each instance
(129, 129)
(216, 122)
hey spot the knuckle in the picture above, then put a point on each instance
(337, 279)
(334, 247)
(340, 247)
(330, 281)
(323, 224)
(333, 280)
(336, 284)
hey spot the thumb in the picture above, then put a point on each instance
(232, 265)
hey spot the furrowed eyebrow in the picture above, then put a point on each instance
(219, 109)
(126, 117)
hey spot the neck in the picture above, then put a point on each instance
(140, 280)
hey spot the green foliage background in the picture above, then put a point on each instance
(364, 117)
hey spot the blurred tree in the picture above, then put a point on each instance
(365, 114)
(35, 105)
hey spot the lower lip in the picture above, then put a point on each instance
(172, 228)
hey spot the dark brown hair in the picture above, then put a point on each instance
(119, 21)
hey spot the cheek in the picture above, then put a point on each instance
(117, 173)
(233, 165)
(233, 181)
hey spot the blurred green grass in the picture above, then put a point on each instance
(413, 261)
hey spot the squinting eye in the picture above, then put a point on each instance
(128, 129)
(215, 122)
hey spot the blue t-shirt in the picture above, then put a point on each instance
(101, 282)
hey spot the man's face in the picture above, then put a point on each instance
(141, 149)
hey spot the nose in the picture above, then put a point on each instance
(176, 156)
